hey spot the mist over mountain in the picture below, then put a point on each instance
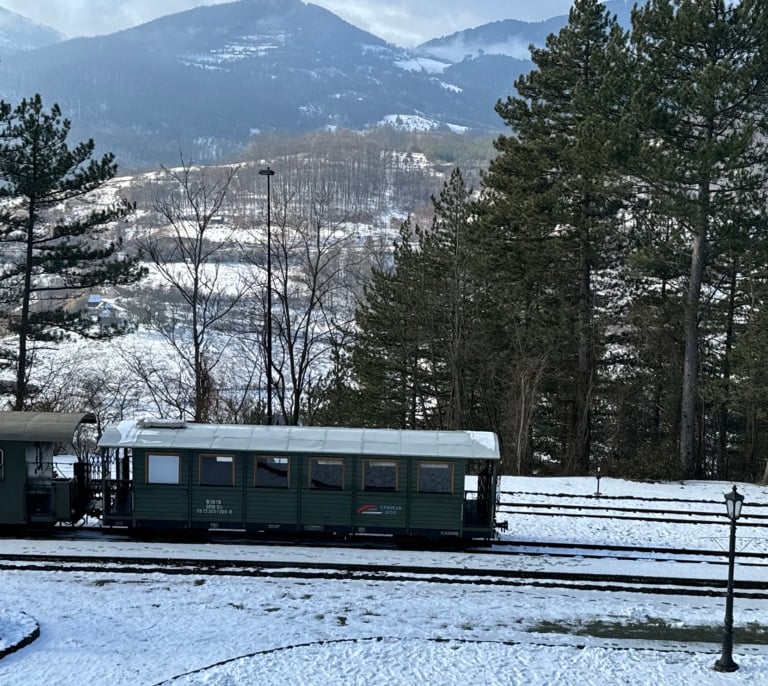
(204, 81)
(17, 34)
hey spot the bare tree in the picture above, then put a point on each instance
(313, 283)
(192, 253)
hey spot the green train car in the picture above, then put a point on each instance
(34, 488)
(299, 480)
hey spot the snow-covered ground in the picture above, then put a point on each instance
(100, 628)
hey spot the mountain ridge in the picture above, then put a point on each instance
(19, 33)
(206, 80)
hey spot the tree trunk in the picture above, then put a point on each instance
(723, 466)
(691, 333)
(21, 365)
(585, 372)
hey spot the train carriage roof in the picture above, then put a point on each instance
(53, 427)
(173, 435)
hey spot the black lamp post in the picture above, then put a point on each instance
(269, 173)
(733, 502)
(597, 476)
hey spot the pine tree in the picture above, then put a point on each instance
(747, 396)
(699, 111)
(647, 391)
(389, 355)
(51, 257)
(450, 305)
(552, 201)
(419, 358)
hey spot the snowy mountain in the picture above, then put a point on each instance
(486, 61)
(509, 38)
(18, 33)
(206, 80)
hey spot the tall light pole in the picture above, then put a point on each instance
(269, 173)
(733, 502)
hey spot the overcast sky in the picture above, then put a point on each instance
(403, 22)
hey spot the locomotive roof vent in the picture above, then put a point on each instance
(158, 423)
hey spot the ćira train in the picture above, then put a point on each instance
(166, 475)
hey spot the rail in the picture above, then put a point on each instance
(631, 508)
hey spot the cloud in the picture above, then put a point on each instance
(409, 22)
(403, 22)
(93, 17)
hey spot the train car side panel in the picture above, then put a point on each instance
(161, 489)
(325, 493)
(217, 489)
(436, 516)
(269, 509)
(13, 484)
(272, 493)
(381, 497)
(436, 497)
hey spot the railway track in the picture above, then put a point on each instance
(630, 508)
(378, 572)
(620, 552)
(577, 566)
(517, 548)
(499, 548)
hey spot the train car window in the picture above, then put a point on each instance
(217, 470)
(326, 474)
(379, 475)
(2, 466)
(272, 472)
(435, 477)
(163, 469)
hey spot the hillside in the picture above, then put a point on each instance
(19, 34)
(208, 80)
(205, 80)
(329, 219)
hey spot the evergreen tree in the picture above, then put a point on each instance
(650, 354)
(419, 356)
(698, 121)
(450, 307)
(391, 347)
(552, 202)
(50, 256)
(747, 398)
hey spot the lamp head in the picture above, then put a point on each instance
(733, 502)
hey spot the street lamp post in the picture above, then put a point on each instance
(597, 476)
(269, 173)
(733, 502)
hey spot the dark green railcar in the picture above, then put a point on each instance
(288, 479)
(34, 489)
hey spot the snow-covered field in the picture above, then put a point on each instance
(100, 628)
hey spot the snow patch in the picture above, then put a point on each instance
(352, 631)
(458, 49)
(425, 64)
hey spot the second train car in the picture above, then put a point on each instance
(339, 481)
